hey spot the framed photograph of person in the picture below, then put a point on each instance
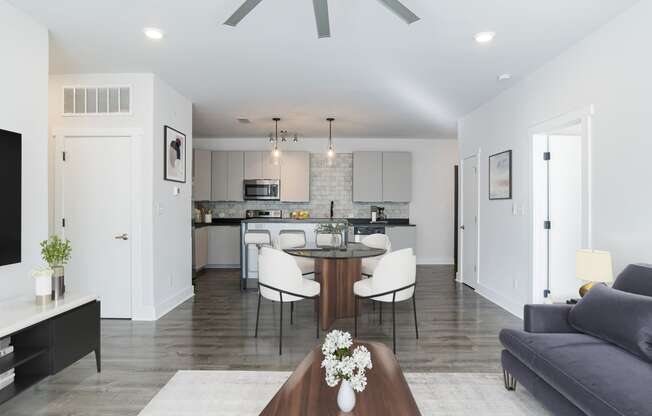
(175, 155)
(500, 176)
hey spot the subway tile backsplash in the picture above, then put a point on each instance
(330, 180)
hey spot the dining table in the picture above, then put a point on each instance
(336, 270)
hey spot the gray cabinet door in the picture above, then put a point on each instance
(271, 166)
(224, 245)
(201, 247)
(219, 176)
(295, 177)
(201, 182)
(253, 165)
(367, 176)
(397, 176)
(235, 177)
(402, 237)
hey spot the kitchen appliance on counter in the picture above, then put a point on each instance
(360, 231)
(262, 190)
(259, 213)
(378, 214)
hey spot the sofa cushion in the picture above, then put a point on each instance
(597, 377)
(635, 278)
(622, 318)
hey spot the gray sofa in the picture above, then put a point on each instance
(573, 373)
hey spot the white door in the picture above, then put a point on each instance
(97, 211)
(565, 214)
(469, 227)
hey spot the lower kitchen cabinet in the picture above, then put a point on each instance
(201, 248)
(223, 245)
(402, 237)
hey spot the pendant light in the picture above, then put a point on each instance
(331, 149)
(275, 152)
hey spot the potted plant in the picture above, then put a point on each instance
(349, 367)
(56, 253)
(335, 230)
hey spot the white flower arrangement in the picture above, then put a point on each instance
(342, 364)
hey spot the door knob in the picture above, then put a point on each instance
(124, 236)
(462, 227)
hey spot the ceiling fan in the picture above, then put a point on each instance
(321, 14)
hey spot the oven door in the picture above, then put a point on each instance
(264, 190)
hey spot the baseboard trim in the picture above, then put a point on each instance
(435, 262)
(173, 301)
(493, 296)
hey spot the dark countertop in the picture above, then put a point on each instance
(391, 222)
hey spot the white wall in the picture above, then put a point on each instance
(432, 203)
(24, 109)
(172, 247)
(153, 105)
(609, 69)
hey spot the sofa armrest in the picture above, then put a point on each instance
(547, 319)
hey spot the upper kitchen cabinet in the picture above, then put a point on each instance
(367, 176)
(227, 176)
(261, 165)
(397, 177)
(295, 177)
(201, 178)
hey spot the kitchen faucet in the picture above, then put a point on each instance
(332, 208)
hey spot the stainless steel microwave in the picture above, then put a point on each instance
(262, 190)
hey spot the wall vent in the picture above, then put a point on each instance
(91, 101)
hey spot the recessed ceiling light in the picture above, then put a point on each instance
(153, 33)
(504, 77)
(484, 37)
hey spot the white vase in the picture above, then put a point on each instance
(346, 397)
(42, 286)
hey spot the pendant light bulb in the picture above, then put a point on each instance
(277, 153)
(331, 150)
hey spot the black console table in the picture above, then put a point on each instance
(48, 338)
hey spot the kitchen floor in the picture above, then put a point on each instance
(458, 333)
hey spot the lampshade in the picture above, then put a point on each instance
(594, 266)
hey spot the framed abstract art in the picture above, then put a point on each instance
(500, 176)
(175, 155)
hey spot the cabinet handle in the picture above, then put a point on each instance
(124, 236)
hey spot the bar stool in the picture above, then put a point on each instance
(259, 238)
(289, 239)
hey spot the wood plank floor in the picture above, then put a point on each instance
(458, 333)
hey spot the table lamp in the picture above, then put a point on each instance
(594, 267)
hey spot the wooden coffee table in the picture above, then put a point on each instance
(306, 391)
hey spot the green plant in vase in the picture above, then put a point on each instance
(333, 229)
(56, 253)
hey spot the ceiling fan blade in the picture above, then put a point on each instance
(321, 16)
(400, 10)
(242, 11)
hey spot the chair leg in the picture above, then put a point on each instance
(257, 314)
(280, 338)
(373, 305)
(317, 304)
(380, 308)
(414, 307)
(394, 323)
(291, 313)
(355, 318)
(510, 381)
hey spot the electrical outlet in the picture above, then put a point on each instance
(515, 283)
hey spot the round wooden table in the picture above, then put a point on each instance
(336, 270)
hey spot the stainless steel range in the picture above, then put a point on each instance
(259, 213)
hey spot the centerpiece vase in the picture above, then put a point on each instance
(346, 397)
(58, 283)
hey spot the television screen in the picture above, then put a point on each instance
(10, 167)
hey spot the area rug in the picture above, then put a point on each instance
(221, 393)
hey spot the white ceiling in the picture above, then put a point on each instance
(378, 76)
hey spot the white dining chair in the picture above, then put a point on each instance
(394, 280)
(280, 280)
(379, 241)
(257, 238)
(328, 240)
(290, 239)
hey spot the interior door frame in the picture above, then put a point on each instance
(583, 116)
(462, 237)
(136, 139)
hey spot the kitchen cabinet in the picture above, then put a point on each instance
(367, 176)
(402, 237)
(397, 177)
(201, 178)
(261, 165)
(227, 174)
(224, 245)
(295, 177)
(201, 247)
